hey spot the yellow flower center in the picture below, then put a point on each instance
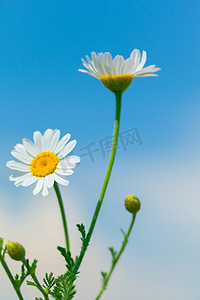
(44, 164)
(117, 83)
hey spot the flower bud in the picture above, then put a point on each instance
(15, 250)
(132, 204)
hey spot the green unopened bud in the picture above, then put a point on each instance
(15, 250)
(132, 204)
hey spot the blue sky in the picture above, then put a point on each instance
(42, 43)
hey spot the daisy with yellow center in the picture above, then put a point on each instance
(43, 161)
(117, 74)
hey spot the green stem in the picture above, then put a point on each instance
(40, 288)
(34, 277)
(125, 241)
(118, 96)
(11, 278)
(58, 194)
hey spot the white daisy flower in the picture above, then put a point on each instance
(43, 161)
(118, 74)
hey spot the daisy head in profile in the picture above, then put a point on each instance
(43, 161)
(117, 74)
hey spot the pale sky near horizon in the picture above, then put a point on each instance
(42, 44)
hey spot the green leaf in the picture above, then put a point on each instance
(20, 279)
(64, 287)
(31, 283)
(104, 275)
(49, 282)
(113, 253)
(17, 281)
(81, 229)
(123, 232)
(16, 277)
(31, 269)
(67, 255)
(33, 266)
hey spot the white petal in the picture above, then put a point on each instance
(108, 64)
(15, 165)
(135, 54)
(29, 180)
(136, 57)
(60, 179)
(84, 71)
(22, 179)
(86, 64)
(156, 69)
(49, 181)
(90, 66)
(21, 149)
(134, 66)
(64, 172)
(17, 175)
(74, 159)
(69, 162)
(45, 191)
(62, 143)
(102, 61)
(95, 60)
(145, 70)
(38, 141)
(47, 138)
(27, 159)
(118, 64)
(54, 140)
(128, 66)
(147, 75)
(17, 184)
(143, 60)
(30, 147)
(38, 186)
(68, 148)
